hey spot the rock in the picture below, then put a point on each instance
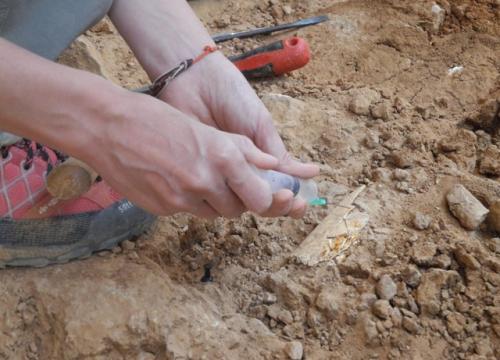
(495, 245)
(400, 174)
(465, 259)
(422, 254)
(487, 115)
(438, 15)
(277, 313)
(372, 140)
(272, 248)
(370, 330)
(284, 109)
(355, 268)
(83, 55)
(128, 245)
(367, 300)
(465, 207)
(494, 216)
(291, 293)
(428, 293)
(314, 317)
(382, 309)
(276, 11)
(103, 26)
(455, 323)
(294, 331)
(411, 325)
(490, 161)
(441, 261)
(396, 317)
(412, 305)
(412, 276)
(461, 147)
(328, 301)
(425, 110)
(421, 221)
(386, 288)
(294, 350)
(222, 21)
(402, 159)
(362, 100)
(287, 9)
(233, 244)
(138, 305)
(269, 298)
(483, 140)
(285, 317)
(381, 175)
(380, 111)
(483, 347)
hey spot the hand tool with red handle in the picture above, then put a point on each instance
(274, 59)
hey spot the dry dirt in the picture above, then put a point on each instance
(395, 98)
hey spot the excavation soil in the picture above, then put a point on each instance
(397, 97)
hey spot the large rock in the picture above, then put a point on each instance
(83, 55)
(465, 207)
(429, 291)
(284, 109)
(105, 308)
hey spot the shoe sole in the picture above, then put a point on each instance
(79, 252)
(135, 223)
(82, 252)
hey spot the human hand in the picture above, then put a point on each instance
(216, 93)
(165, 162)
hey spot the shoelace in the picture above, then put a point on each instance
(33, 150)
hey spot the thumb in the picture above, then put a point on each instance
(268, 139)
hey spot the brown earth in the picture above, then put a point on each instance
(395, 98)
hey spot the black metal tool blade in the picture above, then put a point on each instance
(218, 38)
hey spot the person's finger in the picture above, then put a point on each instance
(268, 139)
(254, 192)
(225, 202)
(282, 204)
(299, 208)
(254, 155)
(200, 208)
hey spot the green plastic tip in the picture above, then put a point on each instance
(321, 201)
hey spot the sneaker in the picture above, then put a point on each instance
(37, 230)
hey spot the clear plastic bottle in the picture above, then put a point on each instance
(305, 188)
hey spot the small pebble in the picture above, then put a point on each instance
(382, 309)
(128, 245)
(421, 221)
(386, 288)
(294, 350)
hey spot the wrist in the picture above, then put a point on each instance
(97, 103)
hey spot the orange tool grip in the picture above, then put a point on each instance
(274, 59)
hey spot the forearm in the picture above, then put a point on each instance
(48, 102)
(161, 33)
